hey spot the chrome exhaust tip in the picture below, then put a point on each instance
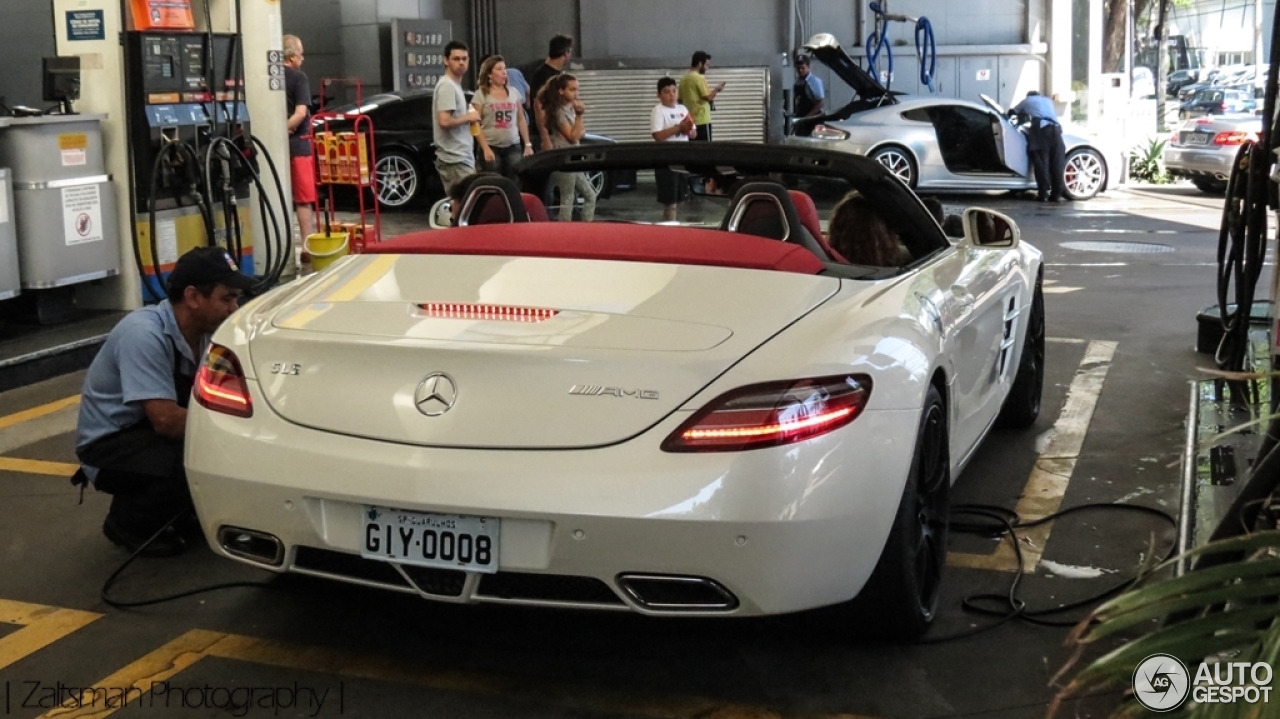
(257, 547)
(672, 593)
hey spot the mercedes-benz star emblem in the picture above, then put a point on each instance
(436, 395)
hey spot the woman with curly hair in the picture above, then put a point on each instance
(857, 231)
(563, 113)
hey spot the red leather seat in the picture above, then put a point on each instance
(808, 213)
(533, 205)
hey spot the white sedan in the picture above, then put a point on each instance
(621, 415)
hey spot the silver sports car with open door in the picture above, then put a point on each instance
(937, 143)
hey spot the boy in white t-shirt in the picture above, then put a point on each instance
(670, 122)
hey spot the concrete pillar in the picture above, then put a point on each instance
(1060, 37)
(1095, 60)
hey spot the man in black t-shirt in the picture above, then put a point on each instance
(297, 94)
(559, 53)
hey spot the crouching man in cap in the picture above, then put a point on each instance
(133, 407)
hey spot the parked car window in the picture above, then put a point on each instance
(407, 115)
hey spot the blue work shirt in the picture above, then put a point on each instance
(1037, 106)
(808, 92)
(135, 364)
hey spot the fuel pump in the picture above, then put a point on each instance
(184, 105)
(180, 123)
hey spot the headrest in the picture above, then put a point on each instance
(492, 201)
(765, 208)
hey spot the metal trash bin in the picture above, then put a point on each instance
(9, 286)
(64, 205)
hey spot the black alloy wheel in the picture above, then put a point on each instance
(900, 599)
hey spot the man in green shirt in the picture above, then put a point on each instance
(695, 95)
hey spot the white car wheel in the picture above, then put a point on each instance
(1084, 174)
(398, 179)
(898, 162)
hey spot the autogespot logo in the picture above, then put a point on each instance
(1161, 683)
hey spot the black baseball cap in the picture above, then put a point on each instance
(699, 57)
(206, 265)
(802, 59)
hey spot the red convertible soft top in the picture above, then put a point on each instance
(609, 241)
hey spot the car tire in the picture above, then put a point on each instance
(898, 161)
(1210, 186)
(1022, 406)
(399, 179)
(900, 599)
(1084, 173)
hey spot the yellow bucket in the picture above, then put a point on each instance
(325, 249)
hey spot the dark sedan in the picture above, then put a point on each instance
(404, 150)
(1217, 101)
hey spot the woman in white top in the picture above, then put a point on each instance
(504, 134)
(563, 113)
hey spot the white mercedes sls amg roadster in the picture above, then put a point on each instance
(719, 416)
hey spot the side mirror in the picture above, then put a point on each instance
(987, 228)
(441, 215)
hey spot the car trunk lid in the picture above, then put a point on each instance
(528, 352)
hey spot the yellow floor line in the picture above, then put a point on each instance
(160, 666)
(135, 682)
(1048, 482)
(41, 626)
(37, 466)
(34, 412)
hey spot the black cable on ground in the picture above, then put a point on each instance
(123, 604)
(1009, 605)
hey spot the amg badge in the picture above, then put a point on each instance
(594, 390)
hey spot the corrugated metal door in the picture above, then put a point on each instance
(619, 101)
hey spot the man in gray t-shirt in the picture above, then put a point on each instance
(454, 116)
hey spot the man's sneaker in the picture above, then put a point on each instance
(168, 544)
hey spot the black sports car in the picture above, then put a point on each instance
(404, 150)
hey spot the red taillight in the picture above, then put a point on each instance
(220, 384)
(1235, 137)
(500, 313)
(773, 413)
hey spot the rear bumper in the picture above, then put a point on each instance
(1199, 162)
(781, 529)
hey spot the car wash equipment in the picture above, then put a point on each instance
(877, 42)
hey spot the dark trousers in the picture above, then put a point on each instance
(1048, 155)
(704, 133)
(144, 474)
(504, 161)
